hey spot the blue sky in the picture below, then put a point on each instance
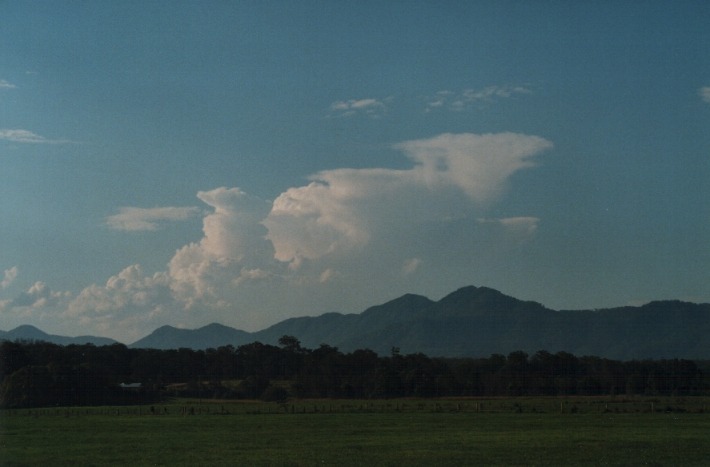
(244, 162)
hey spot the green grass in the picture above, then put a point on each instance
(398, 432)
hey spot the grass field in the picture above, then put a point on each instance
(523, 431)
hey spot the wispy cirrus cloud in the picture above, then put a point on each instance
(462, 100)
(28, 137)
(370, 107)
(148, 219)
(445, 99)
(4, 84)
(704, 94)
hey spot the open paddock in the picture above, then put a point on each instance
(493, 431)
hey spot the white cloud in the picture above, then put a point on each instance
(37, 305)
(411, 265)
(704, 94)
(327, 275)
(458, 101)
(26, 136)
(6, 85)
(233, 230)
(142, 219)
(371, 107)
(8, 277)
(521, 226)
(233, 248)
(129, 289)
(314, 220)
(130, 302)
(439, 100)
(39, 295)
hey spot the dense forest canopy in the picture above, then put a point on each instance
(34, 374)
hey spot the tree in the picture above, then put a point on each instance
(290, 344)
(275, 393)
(13, 356)
(30, 386)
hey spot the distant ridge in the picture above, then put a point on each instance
(31, 333)
(474, 322)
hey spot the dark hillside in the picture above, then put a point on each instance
(479, 321)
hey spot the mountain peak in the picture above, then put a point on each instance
(214, 326)
(477, 300)
(472, 293)
(28, 332)
(27, 328)
(399, 307)
(166, 328)
(410, 300)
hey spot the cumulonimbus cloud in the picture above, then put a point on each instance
(477, 164)
(344, 227)
(340, 209)
(148, 219)
(234, 248)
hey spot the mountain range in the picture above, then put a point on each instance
(472, 322)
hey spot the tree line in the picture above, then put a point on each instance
(36, 374)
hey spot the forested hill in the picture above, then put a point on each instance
(479, 321)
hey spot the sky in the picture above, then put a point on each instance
(243, 162)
